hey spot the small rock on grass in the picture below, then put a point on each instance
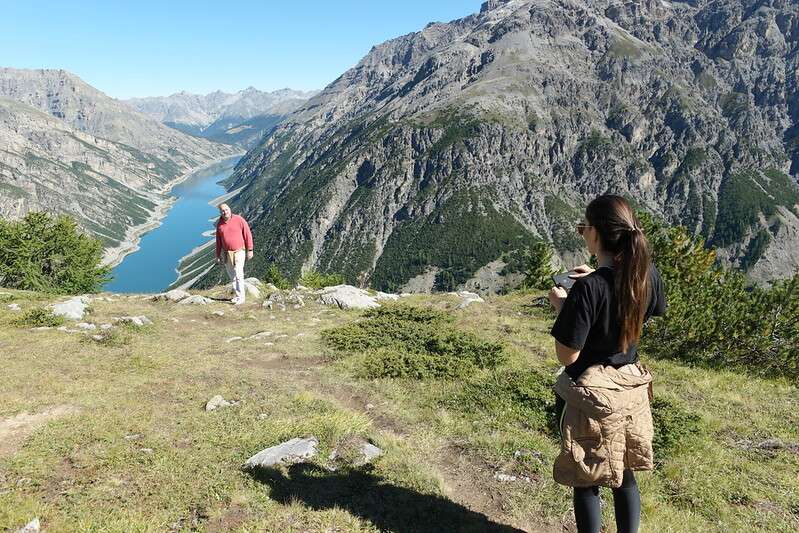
(507, 478)
(218, 401)
(357, 452)
(296, 450)
(34, 526)
(85, 325)
(196, 300)
(138, 321)
(14, 307)
(175, 295)
(233, 339)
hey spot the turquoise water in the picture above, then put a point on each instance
(152, 267)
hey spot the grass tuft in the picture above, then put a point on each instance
(39, 317)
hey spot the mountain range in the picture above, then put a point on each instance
(444, 152)
(235, 118)
(65, 147)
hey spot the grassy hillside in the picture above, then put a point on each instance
(112, 434)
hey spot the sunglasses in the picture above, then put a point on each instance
(581, 227)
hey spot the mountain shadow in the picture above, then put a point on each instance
(364, 494)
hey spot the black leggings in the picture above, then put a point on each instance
(626, 504)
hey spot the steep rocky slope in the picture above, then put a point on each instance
(46, 165)
(444, 149)
(238, 118)
(68, 148)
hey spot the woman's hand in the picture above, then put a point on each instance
(557, 295)
(582, 270)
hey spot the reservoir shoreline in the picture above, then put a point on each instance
(112, 257)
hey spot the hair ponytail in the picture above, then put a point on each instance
(621, 235)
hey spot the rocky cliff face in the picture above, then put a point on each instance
(67, 148)
(239, 118)
(444, 150)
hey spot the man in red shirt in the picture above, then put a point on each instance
(233, 238)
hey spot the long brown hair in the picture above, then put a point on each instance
(621, 235)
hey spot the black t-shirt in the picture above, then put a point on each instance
(588, 320)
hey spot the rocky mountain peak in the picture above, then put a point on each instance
(491, 5)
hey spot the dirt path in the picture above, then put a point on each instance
(14, 430)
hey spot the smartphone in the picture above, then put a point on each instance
(563, 280)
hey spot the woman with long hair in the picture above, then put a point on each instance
(603, 394)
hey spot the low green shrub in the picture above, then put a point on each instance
(393, 362)
(316, 280)
(275, 277)
(514, 396)
(676, 429)
(39, 317)
(406, 341)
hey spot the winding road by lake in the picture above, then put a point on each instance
(152, 267)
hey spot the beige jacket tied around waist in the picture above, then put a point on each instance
(606, 426)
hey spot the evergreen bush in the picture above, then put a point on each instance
(715, 317)
(275, 277)
(537, 261)
(316, 280)
(47, 254)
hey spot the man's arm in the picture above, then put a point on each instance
(247, 237)
(218, 243)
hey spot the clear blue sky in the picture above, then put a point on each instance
(152, 48)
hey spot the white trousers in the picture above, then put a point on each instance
(236, 273)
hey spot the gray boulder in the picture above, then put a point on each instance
(347, 297)
(252, 290)
(14, 307)
(73, 309)
(467, 298)
(293, 451)
(196, 300)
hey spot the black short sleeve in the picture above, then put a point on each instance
(658, 304)
(576, 317)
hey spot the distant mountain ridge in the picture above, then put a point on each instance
(66, 147)
(240, 118)
(444, 150)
